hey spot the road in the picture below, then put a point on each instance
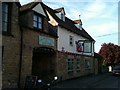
(102, 81)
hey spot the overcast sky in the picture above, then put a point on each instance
(99, 17)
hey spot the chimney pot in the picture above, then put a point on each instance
(37, 0)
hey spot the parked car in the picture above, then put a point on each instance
(116, 70)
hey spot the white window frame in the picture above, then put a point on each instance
(38, 21)
(77, 64)
(70, 64)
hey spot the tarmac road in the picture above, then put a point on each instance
(102, 81)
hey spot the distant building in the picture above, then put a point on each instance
(98, 63)
(41, 42)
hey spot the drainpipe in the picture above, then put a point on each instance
(21, 50)
(94, 55)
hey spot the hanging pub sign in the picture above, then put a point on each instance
(79, 46)
(87, 47)
(84, 46)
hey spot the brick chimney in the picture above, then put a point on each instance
(78, 24)
(37, 0)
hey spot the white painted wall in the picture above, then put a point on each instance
(63, 38)
(63, 41)
(38, 8)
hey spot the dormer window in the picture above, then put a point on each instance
(62, 17)
(37, 21)
(60, 12)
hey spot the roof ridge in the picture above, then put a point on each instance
(59, 8)
(68, 21)
(28, 6)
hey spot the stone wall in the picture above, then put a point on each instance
(11, 52)
(61, 63)
(31, 41)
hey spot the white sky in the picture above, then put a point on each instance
(99, 17)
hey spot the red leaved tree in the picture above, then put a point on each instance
(110, 53)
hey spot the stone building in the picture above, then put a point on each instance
(40, 43)
(10, 44)
(29, 44)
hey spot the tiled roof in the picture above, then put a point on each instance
(28, 6)
(96, 55)
(18, 4)
(51, 29)
(68, 24)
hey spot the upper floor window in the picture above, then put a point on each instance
(62, 16)
(5, 21)
(71, 40)
(37, 21)
(84, 46)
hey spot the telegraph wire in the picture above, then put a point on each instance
(104, 35)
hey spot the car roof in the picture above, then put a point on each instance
(117, 67)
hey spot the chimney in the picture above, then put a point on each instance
(78, 24)
(15, 0)
(37, 0)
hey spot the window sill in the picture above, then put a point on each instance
(7, 34)
(37, 29)
(77, 69)
(88, 68)
(70, 71)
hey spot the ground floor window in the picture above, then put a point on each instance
(77, 64)
(87, 63)
(70, 65)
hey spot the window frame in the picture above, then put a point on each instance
(70, 62)
(8, 31)
(71, 40)
(86, 61)
(37, 21)
(77, 63)
(83, 42)
(88, 42)
(62, 16)
(2, 57)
